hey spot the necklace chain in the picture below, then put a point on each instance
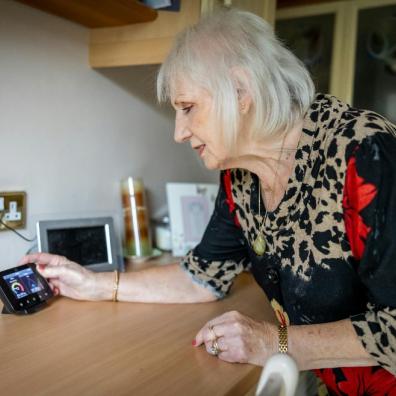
(260, 244)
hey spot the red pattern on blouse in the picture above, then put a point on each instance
(357, 195)
(359, 381)
(230, 199)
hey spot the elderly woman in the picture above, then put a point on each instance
(307, 202)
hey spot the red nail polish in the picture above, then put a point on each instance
(194, 342)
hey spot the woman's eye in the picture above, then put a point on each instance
(187, 109)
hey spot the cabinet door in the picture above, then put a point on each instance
(374, 83)
(315, 33)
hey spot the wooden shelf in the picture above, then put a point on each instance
(149, 43)
(96, 13)
(143, 43)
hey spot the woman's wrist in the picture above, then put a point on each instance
(333, 344)
(296, 339)
(274, 339)
(103, 286)
(270, 341)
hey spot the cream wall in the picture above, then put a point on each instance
(68, 133)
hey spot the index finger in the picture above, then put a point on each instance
(41, 258)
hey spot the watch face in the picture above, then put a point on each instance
(23, 288)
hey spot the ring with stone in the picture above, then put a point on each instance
(214, 349)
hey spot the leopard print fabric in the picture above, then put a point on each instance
(309, 271)
(377, 331)
(216, 275)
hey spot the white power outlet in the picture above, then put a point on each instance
(13, 214)
(12, 209)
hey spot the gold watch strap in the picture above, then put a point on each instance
(115, 286)
(282, 332)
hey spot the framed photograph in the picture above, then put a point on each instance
(190, 207)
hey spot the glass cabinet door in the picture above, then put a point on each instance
(375, 62)
(311, 40)
(316, 34)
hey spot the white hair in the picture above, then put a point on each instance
(206, 53)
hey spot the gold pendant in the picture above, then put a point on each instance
(259, 245)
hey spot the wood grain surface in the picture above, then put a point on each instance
(106, 348)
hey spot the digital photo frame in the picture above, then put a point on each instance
(89, 242)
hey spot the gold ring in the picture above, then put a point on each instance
(213, 333)
(215, 350)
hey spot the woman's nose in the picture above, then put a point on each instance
(182, 133)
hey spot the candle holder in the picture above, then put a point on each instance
(137, 236)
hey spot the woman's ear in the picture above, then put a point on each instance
(242, 83)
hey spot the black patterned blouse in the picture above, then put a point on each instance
(331, 243)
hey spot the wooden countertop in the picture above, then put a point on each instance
(104, 348)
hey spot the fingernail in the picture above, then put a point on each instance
(194, 342)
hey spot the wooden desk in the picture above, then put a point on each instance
(104, 348)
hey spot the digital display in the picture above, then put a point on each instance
(84, 245)
(23, 283)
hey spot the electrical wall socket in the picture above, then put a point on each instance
(13, 216)
(12, 209)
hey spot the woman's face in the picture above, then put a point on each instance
(196, 123)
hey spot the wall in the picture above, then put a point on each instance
(68, 133)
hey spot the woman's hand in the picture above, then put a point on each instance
(65, 277)
(239, 338)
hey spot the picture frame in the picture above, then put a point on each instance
(89, 241)
(190, 208)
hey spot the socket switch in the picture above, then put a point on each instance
(12, 209)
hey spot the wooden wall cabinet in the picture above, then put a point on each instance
(148, 43)
(333, 39)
